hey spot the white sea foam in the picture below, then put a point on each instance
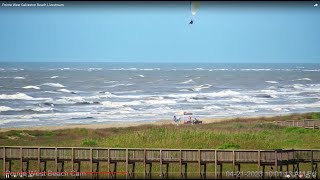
(256, 69)
(224, 93)
(311, 70)
(124, 69)
(52, 92)
(20, 96)
(184, 90)
(298, 86)
(269, 91)
(19, 78)
(53, 85)
(68, 100)
(104, 94)
(120, 104)
(5, 108)
(141, 75)
(125, 92)
(16, 96)
(116, 85)
(199, 88)
(160, 101)
(272, 82)
(303, 79)
(30, 87)
(213, 107)
(107, 82)
(54, 77)
(94, 69)
(187, 82)
(64, 90)
(41, 109)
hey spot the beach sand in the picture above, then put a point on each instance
(121, 125)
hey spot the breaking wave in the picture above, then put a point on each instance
(53, 85)
(272, 82)
(30, 87)
(187, 82)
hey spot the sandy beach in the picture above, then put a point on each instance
(122, 125)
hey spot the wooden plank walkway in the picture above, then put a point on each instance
(201, 158)
(307, 123)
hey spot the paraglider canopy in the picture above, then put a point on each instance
(194, 5)
(194, 8)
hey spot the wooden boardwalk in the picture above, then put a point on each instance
(307, 123)
(127, 158)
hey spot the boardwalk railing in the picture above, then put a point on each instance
(307, 123)
(130, 156)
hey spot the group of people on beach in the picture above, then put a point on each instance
(190, 120)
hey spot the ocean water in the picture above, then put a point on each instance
(45, 94)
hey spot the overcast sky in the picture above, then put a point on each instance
(237, 32)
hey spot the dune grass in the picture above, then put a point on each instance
(238, 133)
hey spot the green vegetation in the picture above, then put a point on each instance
(315, 115)
(89, 142)
(229, 146)
(239, 133)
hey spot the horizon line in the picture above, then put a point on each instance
(161, 62)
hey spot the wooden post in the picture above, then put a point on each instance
(276, 160)
(150, 171)
(115, 170)
(233, 161)
(215, 164)
(167, 171)
(39, 164)
(144, 163)
(21, 160)
(199, 163)
(259, 160)
(4, 162)
(186, 171)
(72, 160)
(280, 174)
(97, 170)
(221, 168)
(161, 163)
(205, 171)
(311, 161)
(109, 164)
(133, 170)
(56, 161)
(180, 163)
(91, 165)
(127, 161)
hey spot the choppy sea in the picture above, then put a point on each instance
(45, 94)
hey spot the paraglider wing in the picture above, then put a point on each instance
(194, 7)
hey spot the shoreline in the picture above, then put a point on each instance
(125, 125)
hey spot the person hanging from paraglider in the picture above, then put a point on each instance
(194, 8)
